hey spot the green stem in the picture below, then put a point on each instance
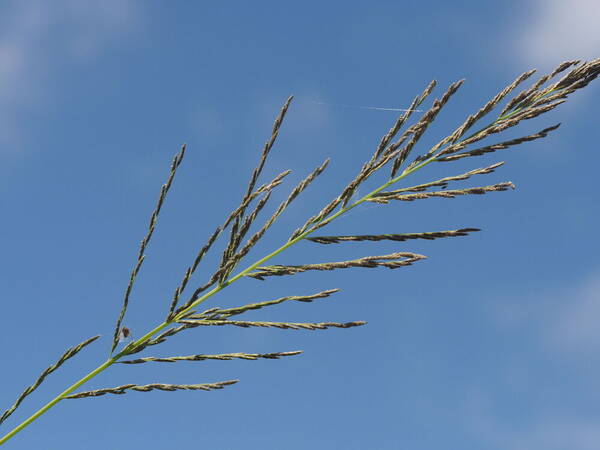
(58, 398)
(219, 287)
(200, 300)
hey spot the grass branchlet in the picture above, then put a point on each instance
(431, 235)
(119, 390)
(141, 254)
(222, 357)
(391, 261)
(280, 325)
(384, 197)
(236, 234)
(217, 313)
(499, 146)
(66, 356)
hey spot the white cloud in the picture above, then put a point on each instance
(577, 318)
(36, 37)
(563, 318)
(555, 30)
(545, 432)
(561, 322)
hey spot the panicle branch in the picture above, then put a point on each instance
(391, 261)
(150, 387)
(384, 198)
(216, 313)
(67, 355)
(420, 128)
(222, 357)
(386, 139)
(382, 152)
(153, 218)
(281, 325)
(235, 236)
(489, 106)
(443, 182)
(526, 105)
(499, 146)
(264, 189)
(230, 265)
(393, 237)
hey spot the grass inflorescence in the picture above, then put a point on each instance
(394, 153)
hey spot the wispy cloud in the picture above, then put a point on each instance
(37, 37)
(577, 317)
(562, 325)
(522, 406)
(549, 431)
(563, 318)
(554, 30)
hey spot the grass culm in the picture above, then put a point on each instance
(393, 160)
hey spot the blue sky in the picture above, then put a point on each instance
(492, 342)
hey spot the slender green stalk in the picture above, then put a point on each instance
(200, 300)
(511, 117)
(206, 296)
(57, 399)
